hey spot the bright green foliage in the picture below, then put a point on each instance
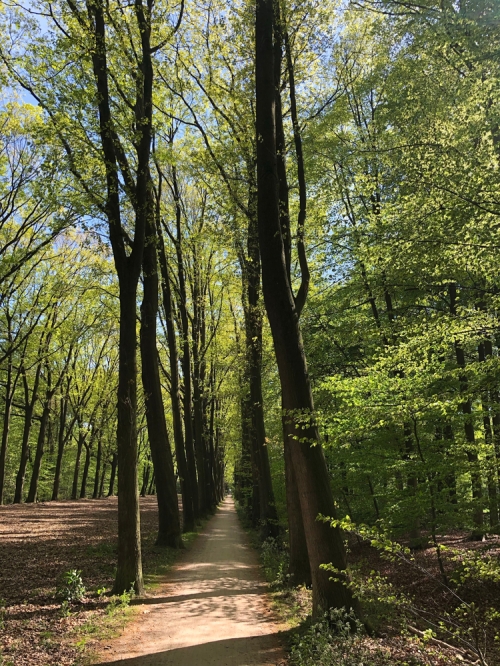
(405, 168)
(72, 587)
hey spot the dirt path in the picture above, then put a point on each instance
(212, 611)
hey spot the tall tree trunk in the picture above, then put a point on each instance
(86, 467)
(29, 407)
(199, 439)
(220, 459)
(152, 485)
(76, 471)
(249, 469)
(186, 354)
(129, 565)
(211, 441)
(40, 449)
(145, 479)
(169, 527)
(267, 509)
(95, 493)
(485, 350)
(112, 478)
(324, 543)
(103, 477)
(61, 442)
(197, 379)
(9, 396)
(412, 487)
(128, 267)
(299, 567)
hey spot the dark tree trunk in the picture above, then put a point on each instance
(76, 471)
(199, 439)
(29, 407)
(40, 449)
(9, 396)
(374, 498)
(50, 436)
(186, 355)
(128, 267)
(86, 467)
(197, 379)
(249, 476)
(211, 441)
(485, 351)
(145, 479)
(103, 477)
(98, 462)
(472, 456)
(246, 476)
(495, 421)
(169, 528)
(112, 478)
(61, 442)
(129, 568)
(268, 516)
(299, 567)
(220, 462)
(412, 487)
(324, 543)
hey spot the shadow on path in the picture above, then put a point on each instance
(248, 651)
(146, 601)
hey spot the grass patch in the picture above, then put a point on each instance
(163, 561)
(104, 549)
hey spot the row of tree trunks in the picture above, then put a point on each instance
(267, 514)
(186, 363)
(169, 528)
(188, 506)
(470, 438)
(192, 406)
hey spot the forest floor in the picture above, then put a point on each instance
(462, 609)
(38, 544)
(405, 597)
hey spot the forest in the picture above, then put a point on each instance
(253, 248)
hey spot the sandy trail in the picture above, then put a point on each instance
(212, 610)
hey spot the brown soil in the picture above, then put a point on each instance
(212, 610)
(38, 543)
(433, 604)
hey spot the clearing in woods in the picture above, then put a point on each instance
(212, 610)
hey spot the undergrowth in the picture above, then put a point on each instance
(405, 632)
(338, 639)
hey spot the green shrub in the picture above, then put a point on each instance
(275, 560)
(72, 587)
(336, 640)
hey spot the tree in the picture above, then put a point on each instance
(323, 544)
